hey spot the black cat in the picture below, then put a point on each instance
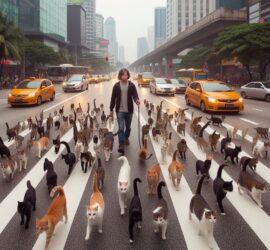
(216, 120)
(86, 160)
(233, 153)
(56, 143)
(4, 150)
(224, 142)
(29, 203)
(51, 175)
(221, 188)
(69, 157)
(135, 210)
(182, 148)
(40, 128)
(203, 167)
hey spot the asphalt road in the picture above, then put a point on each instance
(245, 225)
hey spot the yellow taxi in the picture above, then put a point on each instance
(144, 79)
(32, 91)
(214, 96)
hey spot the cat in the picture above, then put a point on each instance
(69, 157)
(263, 132)
(51, 176)
(135, 211)
(108, 144)
(4, 150)
(163, 151)
(56, 143)
(225, 142)
(22, 158)
(194, 121)
(40, 145)
(102, 132)
(11, 132)
(182, 148)
(56, 211)
(232, 153)
(216, 120)
(9, 168)
(205, 215)
(144, 151)
(100, 172)
(65, 125)
(28, 204)
(156, 133)
(201, 142)
(29, 122)
(34, 132)
(40, 128)
(176, 171)
(248, 183)
(232, 131)
(251, 162)
(213, 140)
(103, 117)
(61, 111)
(169, 143)
(49, 122)
(160, 213)
(123, 183)
(86, 160)
(94, 210)
(244, 132)
(203, 167)
(96, 146)
(145, 132)
(19, 140)
(153, 178)
(261, 149)
(181, 129)
(78, 149)
(221, 187)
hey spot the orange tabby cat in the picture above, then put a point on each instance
(56, 211)
(153, 178)
(143, 151)
(175, 171)
(41, 144)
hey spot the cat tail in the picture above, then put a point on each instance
(88, 107)
(209, 119)
(94, 101)
(160, 185)
(7, 125)
(67, 146)
(246, 162)
(214, 133)
(220, 170)
(135, 186)
(149, 156)
(203, 128)
(1, 141)
(58, 189)
(174, 155)
(199, 187)
(95, 185)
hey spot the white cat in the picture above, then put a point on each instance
(261, 149)
(23, 159)
(78, 149)
(232, 131)
(123, 184)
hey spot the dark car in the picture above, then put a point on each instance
(180, 86)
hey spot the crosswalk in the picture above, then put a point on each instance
(245, 225)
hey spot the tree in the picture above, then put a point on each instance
(249, 43)
(98, 64)
(10, 36)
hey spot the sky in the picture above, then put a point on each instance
(132, 17)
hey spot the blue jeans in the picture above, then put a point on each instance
(124, 119)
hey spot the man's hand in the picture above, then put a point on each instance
(138, 102)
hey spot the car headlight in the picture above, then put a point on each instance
(240, 99)
(211, 99)
(173, 88)
(9, 95)
(32, 94)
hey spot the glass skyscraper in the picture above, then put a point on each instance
(10, 9)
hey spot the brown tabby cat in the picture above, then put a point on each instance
(153, 178)
(56, 211)
(213, 140)
(176, 171)
(143, 151)
(181, 129)
(201, 142)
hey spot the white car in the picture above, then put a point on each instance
(75, 83)
(162, 86)
(257, 90)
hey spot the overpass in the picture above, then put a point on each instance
(201, 33)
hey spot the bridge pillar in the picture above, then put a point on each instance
(169, 67)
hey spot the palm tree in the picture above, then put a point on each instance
(10, 36)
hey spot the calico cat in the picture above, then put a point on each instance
(153, 178)
(28, 204)
(78, 149)
(181, 129)
(100, 172)
(56, 211)
(11, 132)
(22, 158)
(232, 153)
(123, 183)
(56, 143)
(221, 187)
(213, 140)
(144, 151)
(4, 150)
(135, 211)
(263, 132)
(69, 157)
(94, 210)
(261, 149)
(201, 142)
(86, 160)
(248, 183)
(8, 168)
(160, 213)
(203, 167)
(40, 145)
(182, 148)
(225, 142)
(19, 140)
(216, 120)
(145, 132)
(251, 162)
(205, 215)
(176, 171)
(108, 144)
(51, 176)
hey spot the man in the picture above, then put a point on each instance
(123, 94)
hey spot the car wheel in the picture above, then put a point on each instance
(187, 101)
(150, 90)
(202, 106)
(52, 97)
(155, 91)
(244, 95)
(267, 98)
(82, 88)
(87, 87)
(39, 100)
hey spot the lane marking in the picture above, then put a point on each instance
(189, 229)
(249, 121)
(260, 110)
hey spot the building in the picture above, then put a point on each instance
(160, 26)
(151, 38)
(258, 11)
(102, 48)
(110, 34)
(90, 9)
(142, 47)
(121, 54)
(10, 8)
(99, 26)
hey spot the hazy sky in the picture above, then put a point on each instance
(132, 17)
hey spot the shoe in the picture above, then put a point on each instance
(121, 149)
(127, 142)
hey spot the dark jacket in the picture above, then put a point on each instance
(132, 95)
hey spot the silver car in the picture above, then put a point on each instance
(257, 90)
(180, 86)
(75, 83)
(162, 86)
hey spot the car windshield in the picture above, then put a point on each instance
(216, 87)
(266, 84)
(178, 82)
(163, 81)
(75, 78)
(148, 75)
(28, 85)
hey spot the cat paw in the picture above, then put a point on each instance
(156, 231)
(140, 226)
(223, 213)
(100, 231)
(260, 205)
(130, 241)
(164, 237)
(122, 213)
(86, 238)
